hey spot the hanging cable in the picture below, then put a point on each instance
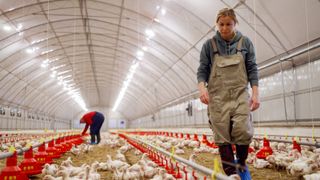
(255, 42)
(47, 54)
(283, 92)
(72, 62)
(309, 69)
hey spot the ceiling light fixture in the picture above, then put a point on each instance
(80, 101)
(45, 52)
(45, 63)
(7, 28)
(140, 53)
(150, 34)
(19, 27)
(163, 11)
(125, 85)
(30, 50)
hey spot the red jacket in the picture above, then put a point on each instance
(87, 118)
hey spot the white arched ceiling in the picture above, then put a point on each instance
(92, 44)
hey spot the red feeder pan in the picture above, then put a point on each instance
(171, 170)
(72, 140)
(29, 165)
(68, 142)
(42, 156)
(265, 150)
(52, 151)
(63, 147)
(204, 139)
(178, 175)
(59, 146)
(188, 136)
(80, 140)
(177, 135)
(12, 171)
(181, 135)
(296, 146)
(77, 140)
(195, 137)
(66, 146)
(250, 149)
(213, 145)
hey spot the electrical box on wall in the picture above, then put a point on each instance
(2, 111)
(189, 109)
(122, 124)
(117, 123)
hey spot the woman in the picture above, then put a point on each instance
(227, 64)
(95, 120)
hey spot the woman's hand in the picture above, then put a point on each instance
(204, 96)
(254, 101)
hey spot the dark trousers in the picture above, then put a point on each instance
(227, 157)
(93, 138)
(95, 127)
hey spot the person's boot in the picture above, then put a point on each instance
(242, 154)
(226, 155)
(93, 139)
(98, 138)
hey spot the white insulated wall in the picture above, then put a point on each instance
(302, 95)
(31, 121)
(301, 87)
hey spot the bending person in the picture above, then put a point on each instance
(95, 120)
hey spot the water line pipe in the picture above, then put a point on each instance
(195, 166)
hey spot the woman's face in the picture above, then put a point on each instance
(226, 26)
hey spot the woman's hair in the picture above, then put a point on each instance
(227, 12)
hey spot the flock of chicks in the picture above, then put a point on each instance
(121, 169)
(66, 171)
(4, 147)
(305, 163)
(19, 141)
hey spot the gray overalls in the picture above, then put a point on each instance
(228, 108)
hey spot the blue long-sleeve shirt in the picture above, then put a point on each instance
(228, 48)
